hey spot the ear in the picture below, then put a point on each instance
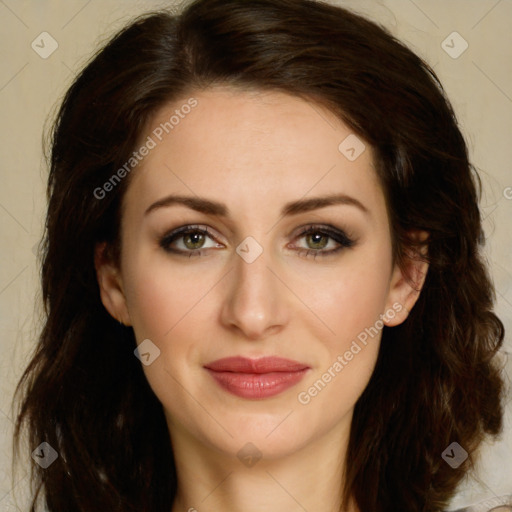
(110, 284)
(405, 285)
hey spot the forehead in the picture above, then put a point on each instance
(252, 148)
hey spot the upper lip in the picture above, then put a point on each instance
(239, 364)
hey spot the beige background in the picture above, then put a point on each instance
(478, 83)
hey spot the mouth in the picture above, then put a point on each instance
(256, 378)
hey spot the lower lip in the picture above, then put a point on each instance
(257, 385)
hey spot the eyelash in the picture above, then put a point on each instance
(338, 236)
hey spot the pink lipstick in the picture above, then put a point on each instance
(256, 378)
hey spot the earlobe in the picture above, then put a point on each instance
(110, 285)
(406, 284)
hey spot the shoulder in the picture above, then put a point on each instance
(503, 504)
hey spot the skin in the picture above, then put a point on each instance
(254, 152)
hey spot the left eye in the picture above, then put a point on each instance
(323, 241)
(318, 240)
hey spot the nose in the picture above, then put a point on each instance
(255, 304)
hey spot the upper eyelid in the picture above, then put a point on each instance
(301, 229)
(328, 230)
(184, 230)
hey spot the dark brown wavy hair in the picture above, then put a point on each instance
(436, 380)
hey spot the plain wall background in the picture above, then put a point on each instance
(478, 83)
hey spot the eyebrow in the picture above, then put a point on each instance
(210, 207)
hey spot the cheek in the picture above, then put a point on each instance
(172, 307)
(165, 306)
(351, 306)
(351, 296)
(159, 297)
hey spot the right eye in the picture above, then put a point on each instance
(189, 240)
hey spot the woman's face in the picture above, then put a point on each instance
(285, 253)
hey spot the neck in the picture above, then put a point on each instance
(308, 479)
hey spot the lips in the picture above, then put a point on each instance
(256, 378)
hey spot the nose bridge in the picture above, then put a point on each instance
(252, 277)
(255, 301)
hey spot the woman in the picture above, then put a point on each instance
(262, 273)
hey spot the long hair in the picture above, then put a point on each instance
(436, 380)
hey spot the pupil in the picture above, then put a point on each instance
(318, 240)
(194, 240)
